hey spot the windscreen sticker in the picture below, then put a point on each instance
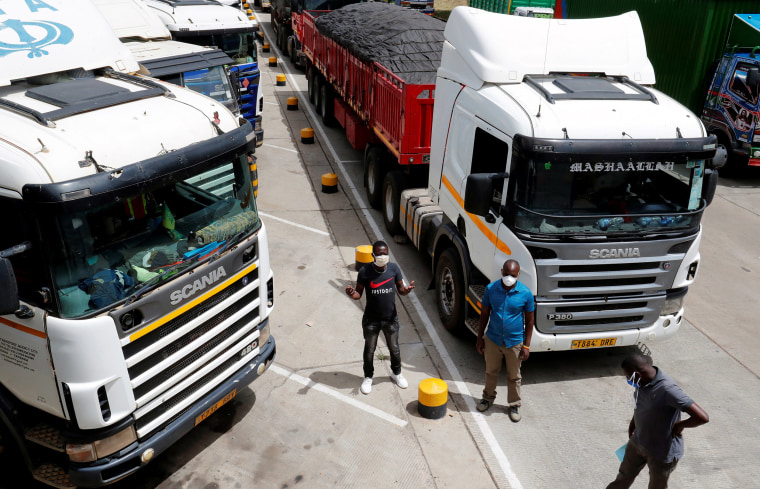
(611, 166)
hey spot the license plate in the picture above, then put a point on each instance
(599, 342)
(208, 412)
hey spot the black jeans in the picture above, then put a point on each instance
(372, 330)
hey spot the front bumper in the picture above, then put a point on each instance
(129, 460)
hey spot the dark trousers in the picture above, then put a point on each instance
(371, 332)
(633, 461)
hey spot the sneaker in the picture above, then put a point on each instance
(514, 414)
(399, 380)
(483, 405)
(366, 387)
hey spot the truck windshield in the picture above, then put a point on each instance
(102, 255)
(213, 83)
(605, 198)
(240, 46)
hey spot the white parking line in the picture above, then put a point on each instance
(318, 231)
(280, 147)
(337, 395)
(459, 383)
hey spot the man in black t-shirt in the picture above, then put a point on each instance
(381, 280)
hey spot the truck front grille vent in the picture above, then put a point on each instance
(597, 283)
(601, 307)
(609, 267)
(593, 322)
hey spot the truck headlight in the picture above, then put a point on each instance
(89, 452)
(672, 305)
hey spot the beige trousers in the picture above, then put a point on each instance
(494, 354)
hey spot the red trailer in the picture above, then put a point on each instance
(381, 113)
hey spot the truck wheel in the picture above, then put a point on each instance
(326, 104)
(282, 41)
(311, 83)
(449, 288)
(293, 52)
(374, 171)
(393, 184)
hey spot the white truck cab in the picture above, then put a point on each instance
(549, 147)
(136, 285)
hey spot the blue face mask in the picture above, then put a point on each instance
(633, 381)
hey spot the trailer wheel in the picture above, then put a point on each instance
(313, 86)
(282, 40)
(292, 51)
(393, 184)
(374, 171)
(449, 288)
(326, 104)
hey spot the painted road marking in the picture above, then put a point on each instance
(337, 395)
(279, 147)
(313, 230)
(459, 384)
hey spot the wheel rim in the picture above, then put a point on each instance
(371, 175)
(389, 207)
(447, 298)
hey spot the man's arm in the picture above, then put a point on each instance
(485, 313)
(355, 293)
(697, 417)
(402, 290)
(529, 320)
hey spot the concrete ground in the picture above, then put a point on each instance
(305, 423)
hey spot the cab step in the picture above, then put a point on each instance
(53, 475)
(472, 324)
(46, 436)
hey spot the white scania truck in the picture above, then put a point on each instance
(136, 284)
(549, 147)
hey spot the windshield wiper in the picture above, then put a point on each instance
(155, 280)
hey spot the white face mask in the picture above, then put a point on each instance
(382, 260)
(508, 280)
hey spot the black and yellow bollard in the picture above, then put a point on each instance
(307, 135)
(265, 47)
(432, 398)
(329, 183)
(281, 79)
(363, 256)
(292, 103)
(272, 61)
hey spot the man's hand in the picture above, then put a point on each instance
(480, 345)
(524, 354)
(404, 290)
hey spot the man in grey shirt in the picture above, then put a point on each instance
(655, 438)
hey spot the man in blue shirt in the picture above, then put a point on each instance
(508, 310)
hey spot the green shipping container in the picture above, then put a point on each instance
(685, 38)
(509, 6)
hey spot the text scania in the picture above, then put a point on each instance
(615, 253)
(198, 285)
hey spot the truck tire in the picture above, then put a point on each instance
(449, 289)
(313, 85)
(374, 172)
(292, 51)
(282, 41)
(326, 104)
(393, 184)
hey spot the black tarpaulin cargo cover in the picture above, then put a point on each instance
(407, 42)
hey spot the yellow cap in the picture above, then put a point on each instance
(364, 254)
(307, 132)
(282, 78)
(292, 100)
(330, 179)
(433, 392)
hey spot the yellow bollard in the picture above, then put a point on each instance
(273, 61)
(432, 397)
(329, 183)
(363, 256)
(292, 103)
(307, 135)
(265, 47)
(281, 79)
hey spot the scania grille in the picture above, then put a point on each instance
(597, 315)
(581, 278)
(180, 361)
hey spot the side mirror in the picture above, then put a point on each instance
(720, 158)
(9, 302)
(234, 77)
(709, 184)
(478, 194)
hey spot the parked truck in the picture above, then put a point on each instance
(556, 154)
(136, 284)
(207, 23)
